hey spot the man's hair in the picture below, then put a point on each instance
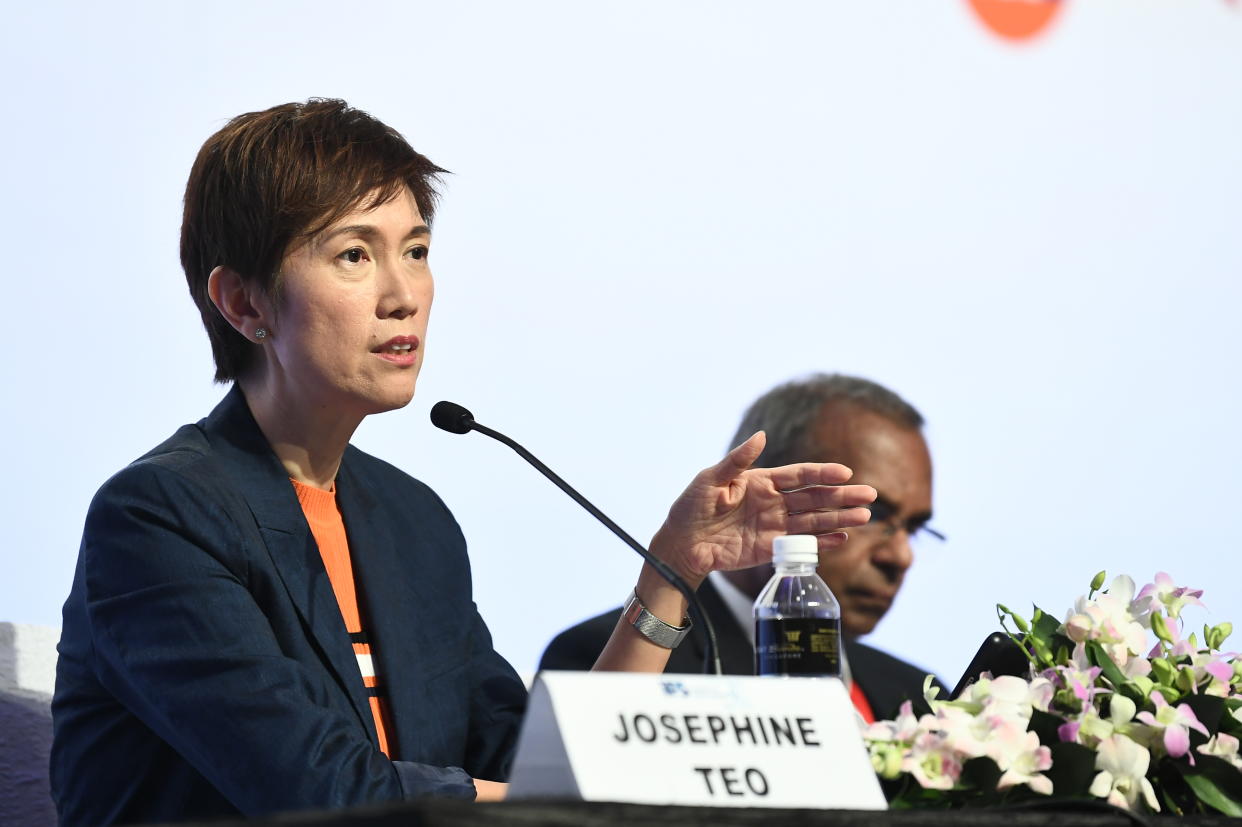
(788, 413)
(270, 179)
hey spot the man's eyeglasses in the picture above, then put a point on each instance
(884, 517)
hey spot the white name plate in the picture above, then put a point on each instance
(693, 739)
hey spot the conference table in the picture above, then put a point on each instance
(449, 813)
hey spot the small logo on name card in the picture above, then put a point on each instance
(700, 690)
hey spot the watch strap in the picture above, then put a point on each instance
(650, 626)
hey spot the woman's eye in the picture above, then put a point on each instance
(354, 255)
(418, 253)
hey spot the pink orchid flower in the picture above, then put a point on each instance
(1164, 592)
(1176, 722)
(1214, 669)
(1078, 676)
(933, 763)
(1021, 759)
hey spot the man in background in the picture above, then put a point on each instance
(824, 418)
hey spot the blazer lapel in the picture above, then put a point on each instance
(270, 496)
(391, 598)
(391, 601)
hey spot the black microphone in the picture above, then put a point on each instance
(455, 419)
(452, 417)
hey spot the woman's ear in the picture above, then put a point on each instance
(238, 303)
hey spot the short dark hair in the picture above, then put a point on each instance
(788, 413)
(269, 179)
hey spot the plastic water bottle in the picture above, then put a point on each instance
(797, 619)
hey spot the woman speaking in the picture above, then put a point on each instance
(265, 618)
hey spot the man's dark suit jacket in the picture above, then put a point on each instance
(883, 679)
(205, 669)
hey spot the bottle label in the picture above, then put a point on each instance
(807, 646)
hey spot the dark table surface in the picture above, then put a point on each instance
(445, 813)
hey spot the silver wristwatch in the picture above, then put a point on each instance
(650, 626)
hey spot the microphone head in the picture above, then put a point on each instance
(451, 417)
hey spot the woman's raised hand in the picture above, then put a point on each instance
(730, 513)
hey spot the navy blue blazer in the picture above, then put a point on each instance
(205, 669)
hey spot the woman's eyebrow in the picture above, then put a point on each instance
(360, 230)
(369, 231)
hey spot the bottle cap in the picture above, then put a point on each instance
(795, 548)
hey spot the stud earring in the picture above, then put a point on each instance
(260, 333)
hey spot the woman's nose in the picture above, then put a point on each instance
(400, 295)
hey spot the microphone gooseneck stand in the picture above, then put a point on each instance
(455, 419)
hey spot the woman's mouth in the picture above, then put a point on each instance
(399, 350)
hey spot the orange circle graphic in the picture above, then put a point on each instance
(1016, 19)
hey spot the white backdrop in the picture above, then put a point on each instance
(659, 210)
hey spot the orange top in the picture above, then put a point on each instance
(328, 528)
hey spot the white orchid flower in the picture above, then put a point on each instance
(1007, 695)
(1122, 776)
(966, 734)
(1225, 746)
(1087, 729)
(1021, 759)
(1121, 710)
(1111, 621)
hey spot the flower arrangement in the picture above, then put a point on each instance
(1117, 705)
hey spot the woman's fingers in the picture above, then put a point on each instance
(802, 474)
(825, 522)
(817, 498)
(738, 460)
(831, 540)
